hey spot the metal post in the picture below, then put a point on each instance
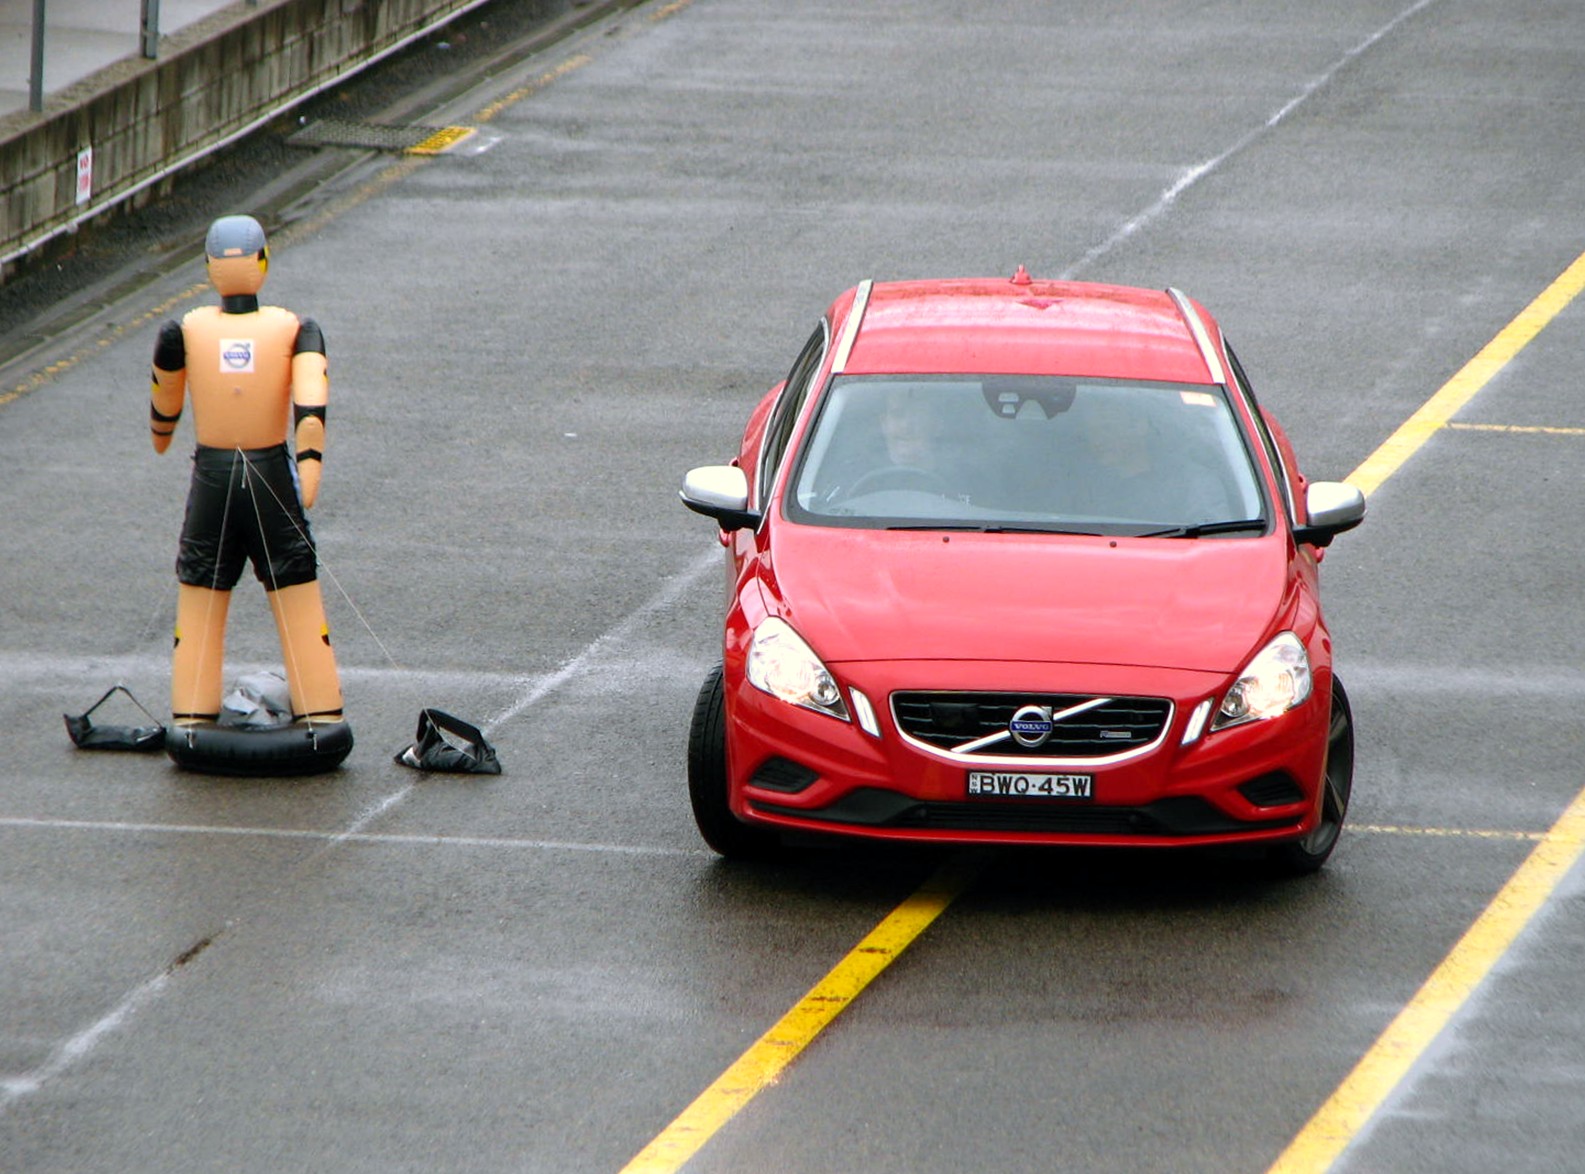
(151, 28)
(36, 79)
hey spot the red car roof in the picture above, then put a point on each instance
(1001, 326)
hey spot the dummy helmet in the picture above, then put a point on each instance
(237, 254)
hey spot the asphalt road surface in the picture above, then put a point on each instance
(531, 337)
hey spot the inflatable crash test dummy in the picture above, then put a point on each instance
(254, 374)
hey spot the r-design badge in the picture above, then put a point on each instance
(1031, 726)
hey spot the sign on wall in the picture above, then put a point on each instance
(85, 174)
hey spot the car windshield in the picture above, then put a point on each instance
(1000, 452)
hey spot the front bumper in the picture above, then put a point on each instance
(798, 770)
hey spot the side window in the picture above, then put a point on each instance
(779, 429)
(1273, 453)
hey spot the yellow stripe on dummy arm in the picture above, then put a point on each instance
(310, 394)
(167, 385)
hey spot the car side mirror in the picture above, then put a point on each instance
(1333, 507)
(720, 492)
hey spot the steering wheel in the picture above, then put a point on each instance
(900, 477)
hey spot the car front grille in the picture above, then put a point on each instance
(947, 721)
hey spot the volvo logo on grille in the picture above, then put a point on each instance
(1031, 726)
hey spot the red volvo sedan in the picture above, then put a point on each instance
(1016, 561)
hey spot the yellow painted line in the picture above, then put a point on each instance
(533, 87)
(764, 1062)
(281, 240)
(44, 375)
(1540, 429)
(1337, 1122)
(666, 10)
(1464, 386)
(442, 140)
(1323, 1140)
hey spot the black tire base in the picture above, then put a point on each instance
(280, 751)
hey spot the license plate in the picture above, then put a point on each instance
(1010, 784)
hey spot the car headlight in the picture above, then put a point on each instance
(1270, 685)
(781, 664)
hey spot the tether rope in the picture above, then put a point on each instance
(319, 561)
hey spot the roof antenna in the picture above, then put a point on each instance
(1021, 277)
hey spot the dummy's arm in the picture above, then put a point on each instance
(168, 385)
(310, 394)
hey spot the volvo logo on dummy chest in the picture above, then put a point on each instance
(236, 356)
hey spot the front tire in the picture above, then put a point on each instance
(707, 780)
(1306, 856)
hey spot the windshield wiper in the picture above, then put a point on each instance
(1229, 527)
(999, 529)
(953, 527)
(1041, 530)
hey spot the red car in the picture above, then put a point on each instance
(1017, 561)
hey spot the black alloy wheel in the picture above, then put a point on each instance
(1307, 855)
(707, 780)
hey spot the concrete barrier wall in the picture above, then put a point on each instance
(212, 83)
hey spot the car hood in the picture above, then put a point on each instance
(1202, 604)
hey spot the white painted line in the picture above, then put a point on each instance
(350, 836)
(603, 645)
(14, 1088)
(1199, 171)
(41, 668)
(83, 1043)
(369, 815)
(1377, 829)
(1559, 683)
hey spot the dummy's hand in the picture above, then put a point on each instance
(308, 473)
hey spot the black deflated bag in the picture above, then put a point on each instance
(85, 735)
(449, 744)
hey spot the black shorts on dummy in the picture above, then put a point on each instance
(244, 504)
